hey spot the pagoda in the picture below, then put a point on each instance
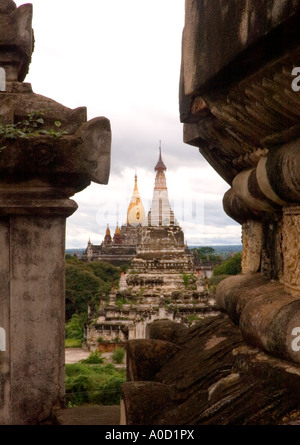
(121, 248)
(161, 282)
(117, 236)
(107, 238)
(160, 213)
(162, 257)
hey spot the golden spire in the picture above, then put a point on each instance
(117, 231)
(135, 184)
(117, 235)
(136, 211)
(107, 230)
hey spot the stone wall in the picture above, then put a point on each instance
(238, 106)
(130, 320)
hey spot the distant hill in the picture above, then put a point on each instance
(79, 252)
(223, 250)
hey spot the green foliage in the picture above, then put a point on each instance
(79, 389)
(86, 283)
(110, 392)
(74, 328)
(215, 280)
(82, 288)
(192, 318)
(189, 279)
(105, 271)
(141, 292)
(32, 126)
(206, 253)
(232, 266)
(120, 302)
(118, 355)
(73, 343)
(94, 358)
(93, 384)
(124, 267)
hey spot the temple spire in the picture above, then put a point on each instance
(136, 211)
(160, 166)
(160, 213)
(135, 184)
(117, 236)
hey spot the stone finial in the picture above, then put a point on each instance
(16, 39)
(7, 6)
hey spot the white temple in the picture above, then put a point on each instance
(160, 213)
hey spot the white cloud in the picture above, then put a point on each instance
(121, 59)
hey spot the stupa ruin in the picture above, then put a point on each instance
(161, 281)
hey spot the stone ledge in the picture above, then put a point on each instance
(265, 313)
(87, 415)
(145, 357)
(216, 379)
(140, 402)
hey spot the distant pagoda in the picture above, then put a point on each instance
(162, 256)
(120, 249)
(161, 282)
(160, 213)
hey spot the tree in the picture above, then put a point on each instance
(82, 288)
(232, 266)
(86, 283)
(74, 327)
(207, 253)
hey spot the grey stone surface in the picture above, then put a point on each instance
(215, 378)
(212, 24)
(38, 174)
(88, 415)
(238, 106)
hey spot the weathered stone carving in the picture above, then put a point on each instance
(252, 240)
(239, 108)
(38, 174)
(291, 249)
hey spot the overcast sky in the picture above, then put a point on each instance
(121, 59)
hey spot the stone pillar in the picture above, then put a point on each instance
(38, 174)
(32, 296)
(291, 249)
(252, 245)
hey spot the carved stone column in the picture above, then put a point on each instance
(240, 109)
(252, 245)
(38, 175)
(32, 301)
(291, 249)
